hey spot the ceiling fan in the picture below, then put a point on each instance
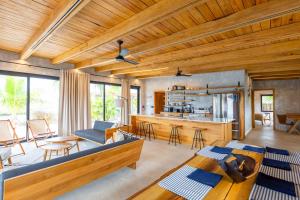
(123, 52)
(179, 73)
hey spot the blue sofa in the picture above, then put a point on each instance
(97, 134)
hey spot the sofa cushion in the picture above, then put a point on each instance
(102, 126)
(91, 134)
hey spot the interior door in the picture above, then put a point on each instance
(159, 102)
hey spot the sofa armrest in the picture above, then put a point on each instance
(110, 131)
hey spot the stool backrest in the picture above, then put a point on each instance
(6, 131)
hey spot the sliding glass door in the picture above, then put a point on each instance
(27, 96)
(44, 99)
(13, 101)
(97, 105)
(112, 112)
(135, 99)
(103, 102)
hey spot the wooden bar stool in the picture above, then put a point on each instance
(198, 137)
(174, 136)
(141, 131)
(149, 130)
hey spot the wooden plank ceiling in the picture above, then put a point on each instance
(260, 36)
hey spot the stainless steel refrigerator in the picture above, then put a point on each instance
(227, 106)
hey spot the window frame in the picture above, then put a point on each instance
(138, 88)
(28, 76)
(261, 102)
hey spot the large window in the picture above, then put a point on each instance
(97, 106)
(103, 102)
(135, 99)
(266, 103)
(44, 96)
(13, 101)
(112, 112)
(25, 96)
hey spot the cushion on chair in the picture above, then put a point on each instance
(91, 134)
(101, 125)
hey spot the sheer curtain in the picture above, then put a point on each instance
(125, 109)
(74, 102)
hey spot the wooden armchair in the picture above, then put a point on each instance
(8, 135)
(39, 129)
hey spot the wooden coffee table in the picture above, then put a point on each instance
(65, 147)
(63, 140)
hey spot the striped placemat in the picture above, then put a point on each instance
(179, 184)
(206, 152)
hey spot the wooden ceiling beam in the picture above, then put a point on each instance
(252, 15)
(150, 15)
(292, 65)
(275, 73)
(277, 77)
(270, 53)
(65, 10)
(241, 42)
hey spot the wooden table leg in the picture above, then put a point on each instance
(50, 154)
(1, 164)
(77, 146)
(294, 127)
(9, 161)
(45, 155)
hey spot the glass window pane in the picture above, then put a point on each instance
(112, 112)
(267, 103)
(44, 101)
(134, 100)
(96, 92)
(13, 98)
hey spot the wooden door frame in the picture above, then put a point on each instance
(253, 105)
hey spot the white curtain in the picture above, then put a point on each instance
(125, 109)
(74, 102)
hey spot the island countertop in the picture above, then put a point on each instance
(214, 129)
(186, 118)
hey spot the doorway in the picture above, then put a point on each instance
(263, 108)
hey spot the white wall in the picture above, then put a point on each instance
(287, 96)
(228, 78)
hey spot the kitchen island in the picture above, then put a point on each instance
(218, 129)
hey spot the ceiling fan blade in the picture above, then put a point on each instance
(186, 74)
(131, 61)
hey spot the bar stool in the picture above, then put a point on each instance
(141, 131)
(175, 134)
(149, 130)
(198, 138)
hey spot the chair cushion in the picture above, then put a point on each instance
(91, 134)
(101, 125)
(5, 153)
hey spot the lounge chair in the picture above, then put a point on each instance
(39, 129)
(8, 136)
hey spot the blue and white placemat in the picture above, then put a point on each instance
(180, 184)
(243, 146)
(293, 175)
(206, 152)
(293, 158)
(270, 188)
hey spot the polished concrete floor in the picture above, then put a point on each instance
(157, 158)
